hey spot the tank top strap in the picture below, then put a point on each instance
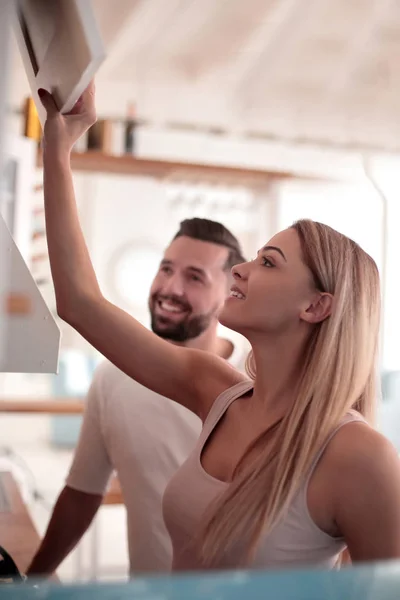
(221, 404)
(351, 417)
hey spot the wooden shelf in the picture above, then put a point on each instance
(113, 495)
(98, 162)
(63, 406)
(37, 235)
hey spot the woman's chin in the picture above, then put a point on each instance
(227, 321)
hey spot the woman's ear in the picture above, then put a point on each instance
(319, 310)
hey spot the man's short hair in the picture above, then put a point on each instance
(206, 230)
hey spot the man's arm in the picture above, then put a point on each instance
(71, 517)
(85, 486)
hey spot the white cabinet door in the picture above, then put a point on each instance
(30, 337)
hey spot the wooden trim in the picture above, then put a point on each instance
(99, 162)
(38, 257)
(113, 495)
(64, 406)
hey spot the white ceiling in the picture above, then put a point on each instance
(318, 70)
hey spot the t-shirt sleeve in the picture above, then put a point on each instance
(91, 467)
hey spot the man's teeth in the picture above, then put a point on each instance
(238, 295)
(170, 307)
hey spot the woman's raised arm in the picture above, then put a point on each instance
(169, 370)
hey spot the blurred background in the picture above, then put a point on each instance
(254, 113)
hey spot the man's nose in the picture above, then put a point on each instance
(174, 286)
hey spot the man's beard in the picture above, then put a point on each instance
(189, 328)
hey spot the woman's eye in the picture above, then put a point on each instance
(266, 262)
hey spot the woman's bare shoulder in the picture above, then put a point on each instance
(362, 460)
(365, 484)
(213, 376)
(357, 444)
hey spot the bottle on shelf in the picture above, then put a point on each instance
(99, 136)
(32, 127)
(130, 127)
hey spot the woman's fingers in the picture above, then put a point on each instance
(86, 102)
(48, 102)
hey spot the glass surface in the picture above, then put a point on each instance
(371, 582)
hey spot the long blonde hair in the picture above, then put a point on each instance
(339, 374)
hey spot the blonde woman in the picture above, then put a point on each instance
(288, 470)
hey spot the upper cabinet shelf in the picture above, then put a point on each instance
(98, 162)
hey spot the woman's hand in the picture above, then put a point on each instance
(62, 131)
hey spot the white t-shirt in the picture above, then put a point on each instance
(145, 437)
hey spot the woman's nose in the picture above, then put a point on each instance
(239, 271)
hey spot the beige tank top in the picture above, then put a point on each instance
(295, 540)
